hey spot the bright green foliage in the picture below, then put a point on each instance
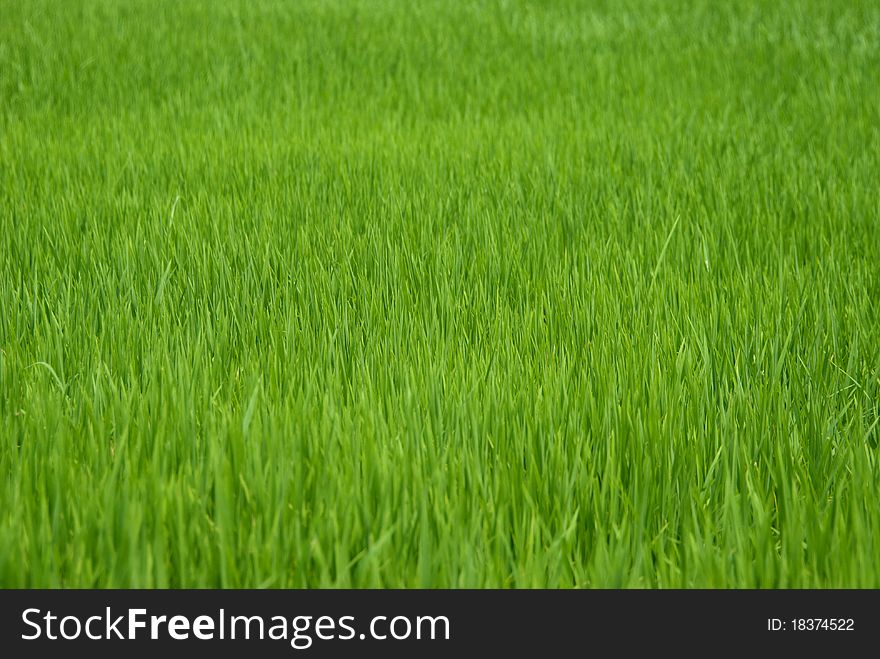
(439, 293)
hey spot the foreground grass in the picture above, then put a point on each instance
(439, 294)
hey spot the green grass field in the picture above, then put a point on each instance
(439, 294)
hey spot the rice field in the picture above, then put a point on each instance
(440, 294)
